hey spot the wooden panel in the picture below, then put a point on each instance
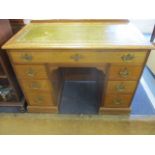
(31, 71)
(115, 111)
(5, 31)
(56, 79)
(124, 72)
(117, 101)
(121, 86)
(75, 57)
(40, 99)
(42, 109)
(36, 85)
(80, 74)
(81, 20)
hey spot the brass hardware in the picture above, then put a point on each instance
(117, 101)
(120, 87)
(76, 57)
(27, 57)
(34, 85)
(124, 73)
(39, 99)
(127, 57)
(30, 72)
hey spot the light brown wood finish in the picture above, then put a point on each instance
(77, 56)
(56, 80)
(124, 72)
(40, 99)
(114, 48)
(81, 20)
(31, 71)
(121, 86)
(117, 101)
(36, 85)
(115, 111)
(43, 109)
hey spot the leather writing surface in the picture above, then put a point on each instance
(78, 35)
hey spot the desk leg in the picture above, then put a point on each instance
(102, 81)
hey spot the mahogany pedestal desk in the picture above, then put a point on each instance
(114, 49)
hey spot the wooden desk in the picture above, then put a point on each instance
(116, 49)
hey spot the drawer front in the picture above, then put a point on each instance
(36, 85)
(117, 101)
(78, 57)
(39, 99)
(121, 87)
(31, 71)
(124, 72)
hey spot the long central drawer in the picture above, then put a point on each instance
(75, 57)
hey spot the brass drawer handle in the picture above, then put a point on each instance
(127, 57)
(27, 57)
(120, 87)
(124, 73)
(30, 72)
(34, 85)
(39, 99)
(76, 57)
(117, 101)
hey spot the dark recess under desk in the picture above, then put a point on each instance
(79, 97)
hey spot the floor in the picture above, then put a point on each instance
(75, 125)
(144, 102)
(80, 97)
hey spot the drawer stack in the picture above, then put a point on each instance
(122, 82)
(36, 87)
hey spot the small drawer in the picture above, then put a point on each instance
(124, 72)
(79, 56)
(117, 101)
(31, 71)
(40, 99)
(121, 87)
(36, 85)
